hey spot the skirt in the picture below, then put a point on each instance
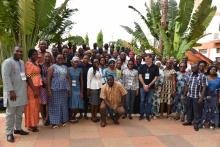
(58, 107)
(94, 97)
(75, 101)
(43, 96)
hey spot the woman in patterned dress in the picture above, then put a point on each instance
(168, 88)
(211, 111)
(76, 103)
(58, 91)
(180, 101)
(158, 86)
(43, 90)
(34, 83)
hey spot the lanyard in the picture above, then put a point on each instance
(20, 66)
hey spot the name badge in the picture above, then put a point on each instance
(73, 83)
(129, 82)
(23, 76)
(147, 76)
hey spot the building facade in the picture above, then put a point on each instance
(210, 44)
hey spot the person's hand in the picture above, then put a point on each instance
(69, 93)
(146, 88)
(174, 93)
(12, 95)
(49, 93)
(200, 99)
(137, 92)
(88, 92)
(35, 93)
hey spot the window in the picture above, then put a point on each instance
(217, 50)
(203, 51)
(217, 59)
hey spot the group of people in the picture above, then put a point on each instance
(64, 84)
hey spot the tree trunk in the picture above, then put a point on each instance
(164, 22)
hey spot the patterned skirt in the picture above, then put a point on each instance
(94, 97)
(43, 96)
(210, 110)
(75, 101)
(166, 92)
(58, 107)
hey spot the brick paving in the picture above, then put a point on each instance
(130, 133)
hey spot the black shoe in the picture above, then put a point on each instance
(141, 117)
(21, 132)
(86, 117)
(10, 138)
(148, 118)
(124, 116)
(196, 127)
(47, 123)
(187, 123)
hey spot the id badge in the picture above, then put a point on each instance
(129, 82)
(73, 83)
(147, 76)
(23, 76)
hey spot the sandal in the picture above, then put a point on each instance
(103, 124)
(55, 126)
(33, 129)
(74, 120)
(64, 124)
(95, 120)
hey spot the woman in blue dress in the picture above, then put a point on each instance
(211, 112)
(76, 103)
(110, 70)
(58, 90)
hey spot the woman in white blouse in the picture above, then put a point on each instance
(94, 83)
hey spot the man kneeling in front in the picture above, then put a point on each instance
(112, 95)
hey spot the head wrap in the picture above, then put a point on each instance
(75, 58)
(111, 60)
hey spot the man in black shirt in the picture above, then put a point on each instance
(85, 67)
(148, 74)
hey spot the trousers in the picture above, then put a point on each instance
(13, 118)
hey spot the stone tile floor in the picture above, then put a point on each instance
(130, 133)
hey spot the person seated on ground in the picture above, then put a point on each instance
(112, 95)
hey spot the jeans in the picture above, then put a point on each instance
(129, 101)
(194, 111)
(146, 101)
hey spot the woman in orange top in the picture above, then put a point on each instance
(34, 82)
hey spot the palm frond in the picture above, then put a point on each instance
(152, 19)
(44, 10)
(202, 16)
(138, 34)
(172, 14)
(184, 15)
(26, 16)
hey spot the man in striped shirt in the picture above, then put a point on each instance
(195, 90)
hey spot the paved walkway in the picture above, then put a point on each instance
(130, 133)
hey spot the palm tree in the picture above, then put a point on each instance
(25, 22)
(99, 39)
(185, 26)
(86, 39)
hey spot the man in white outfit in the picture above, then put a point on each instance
(14, 92)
